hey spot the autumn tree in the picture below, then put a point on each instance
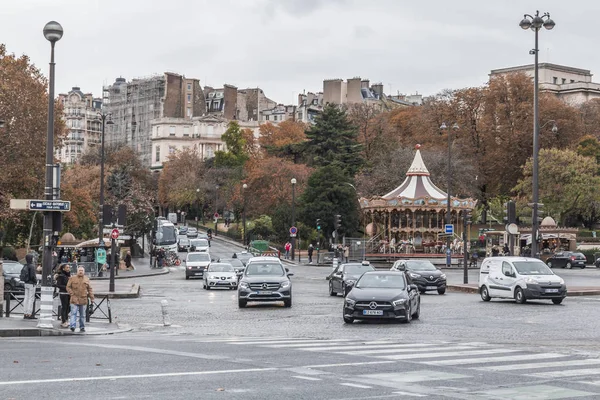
(235, 155)
(181, 176)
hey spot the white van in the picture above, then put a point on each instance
(519, 278)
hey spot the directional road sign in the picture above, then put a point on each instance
(449, 229)
(49, 205)
(114, 234)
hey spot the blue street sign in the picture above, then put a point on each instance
(449, 229)
(49, 205)
(293, 230)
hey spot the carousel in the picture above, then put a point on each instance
(411, 218)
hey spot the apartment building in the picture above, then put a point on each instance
(83, 124)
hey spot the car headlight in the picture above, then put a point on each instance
(531, 281)
(413, 275)
(443, 276)
(562, 281)
(399, 302)
(350, 303)
(244, 285)
(285, 284)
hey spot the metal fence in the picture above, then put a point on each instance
(357, 248)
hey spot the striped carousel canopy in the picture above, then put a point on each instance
(417, 184)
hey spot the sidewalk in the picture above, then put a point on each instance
(122, 290)
(141, 269)
(572, 290)
(19, 327)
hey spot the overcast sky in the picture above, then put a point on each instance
(287, 46)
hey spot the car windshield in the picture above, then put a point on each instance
(184, 241)
(12, 268)
(387, 281)
(166, 235)
(234, 262)
(356, 269)
(532, 268)
(199, 242)
(198, 257)
(220, 268)
(419, 265)
(264, 269)
(192, 230)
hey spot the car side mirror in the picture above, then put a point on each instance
(401, 268)
(350, 284)
(290, 274)
(287, 270)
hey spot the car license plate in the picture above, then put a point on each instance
(199, 273)
(551, 290)
(264, 292)
(372, 312)
(431, 288)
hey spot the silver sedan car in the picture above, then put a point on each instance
(220, 275)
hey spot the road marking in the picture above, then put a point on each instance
(391, 349)
(378, 346)
(321, 344)
(306, 378)
(411, 394)
(307, 342)
(449, 354)
(567, 373)
(489, 360)
(349, 364)
(413, 376)
(356, 385)
(140, 376)
(540, 364)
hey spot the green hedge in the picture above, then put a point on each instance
(589, 254)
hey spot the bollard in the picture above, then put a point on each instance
(165, 312)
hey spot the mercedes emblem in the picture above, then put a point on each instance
(372, 305)
(264, 286)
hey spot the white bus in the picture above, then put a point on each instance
(165, 235)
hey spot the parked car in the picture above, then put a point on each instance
(220, 275)
(199, 245)
(265, 279)
(195, 264)
(346, 274)
(519, 278)
(11, 271)
(382, 295)
(423, 274)
(192, 233)
(567, 259)
(183, 244)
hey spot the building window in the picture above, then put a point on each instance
(172, 149)
(210, 130)
(554, 80)
(300, 116)
(189, 111)
(564, 81)
(157, 159)
(572, 80)
(274, 117)
(266, 117)
(189, 86)
(186, 131)
(195, 129)
(189, 97)
(158, 131)
(171, 130)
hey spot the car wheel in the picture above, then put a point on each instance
(520, 296)
(331, 292)
(187, 277)
(287, 302)
(549, 264)
(583, 266)
(417, 313)
(557, 301)
(568, 266)
(408, 314)
(348, 320)
(242, 303)
(234, 288)
(442, 291)
(485, 294)
(422, 291)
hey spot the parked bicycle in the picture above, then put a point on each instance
(172, 259)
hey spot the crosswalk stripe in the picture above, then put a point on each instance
(443, 354)
(567, 373)
(489, 360)
(377, 346)
(540, 364)
(403, 350)
(307, 342)
(278, 346)
(356, 385)
(306, 378)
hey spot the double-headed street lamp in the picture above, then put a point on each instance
(197, 207)
(293, 181)
(535, 23)
(106, 120)
(443, 128)
(244, 234)
(216, 209)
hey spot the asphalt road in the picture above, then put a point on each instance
(461, 348)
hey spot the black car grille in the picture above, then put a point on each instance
(265, 286)
(366, 305)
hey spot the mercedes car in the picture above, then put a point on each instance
(265, 281)
(346, 274)
(220, 275)
(382, 295)
(423, 274)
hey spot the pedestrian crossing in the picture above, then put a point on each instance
(471, 356)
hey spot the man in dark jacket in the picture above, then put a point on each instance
(62, 278)
(29, 278)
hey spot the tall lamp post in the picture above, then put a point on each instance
(444, 127)
(535, 23)
(293, 181)
(53, 32)
(197, 208)
(106, 120)
(216, 210)
(244, 234)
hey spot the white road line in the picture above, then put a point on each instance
(404, 350)
(540, 364)
(567, 373)
(307, 342)
(115, 377)
(411, 394)
(306, 378)
(489, 360)
(320, 344)
(348, 364)
(417, 347)
(356, 385)
(448, 354)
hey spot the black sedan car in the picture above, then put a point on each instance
(11, 270)
(243, 256)
(237, 264)
(382, 295)
(423, 274)
(343, 276)
(567, 259)
(183, 244)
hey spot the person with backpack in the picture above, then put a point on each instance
(29, 279)
(62, 278)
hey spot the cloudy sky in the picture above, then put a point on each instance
(288, 46)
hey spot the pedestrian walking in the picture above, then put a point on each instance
(346, 252)
(288, 247)
(128, 261)
(62, 278)
(29, 278)
(310, 253)
(80, 289)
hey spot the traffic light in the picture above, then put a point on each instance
(337, 223)
(468, 218)
(318, 224)
(510, 209)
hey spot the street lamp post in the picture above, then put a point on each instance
(293, 181)
(106, 120)
(244, 234)
(444, 127)
(216, 209)
(53, 32)
(535, 23)
(197, 208)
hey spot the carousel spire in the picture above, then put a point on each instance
(418, 166)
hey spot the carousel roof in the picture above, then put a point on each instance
(417, 184)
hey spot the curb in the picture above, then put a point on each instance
(162, 272)
(475, 290)
(33, 332)
(132, 294)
